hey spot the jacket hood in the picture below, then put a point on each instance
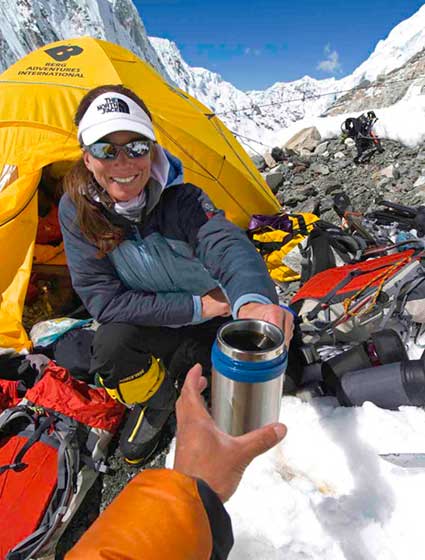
(167, 170)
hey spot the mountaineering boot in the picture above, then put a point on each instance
(145, 422)
(149, 393)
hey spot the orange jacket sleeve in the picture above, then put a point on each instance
(159, 514)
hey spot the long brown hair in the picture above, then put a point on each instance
(79, 183)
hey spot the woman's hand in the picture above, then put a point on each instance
(282, 318)
(215, 304)
(205, 452)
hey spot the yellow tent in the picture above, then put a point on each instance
(39, 95)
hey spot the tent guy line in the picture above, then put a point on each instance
(316, 96)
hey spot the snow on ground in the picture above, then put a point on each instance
(403, 122)
(325, 494)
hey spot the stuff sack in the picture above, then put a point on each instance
(347, 303)
(53, 445)
(48, 231)
(272, 221)
(9, 393)
(279, 246)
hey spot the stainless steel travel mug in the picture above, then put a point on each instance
(249, 360)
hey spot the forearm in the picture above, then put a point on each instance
(138, 308)
(232, 259)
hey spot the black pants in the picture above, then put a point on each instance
(121, 349)
(366, 148)
(362, 145)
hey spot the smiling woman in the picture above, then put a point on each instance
(153, 261)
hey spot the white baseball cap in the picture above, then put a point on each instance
(113, 112)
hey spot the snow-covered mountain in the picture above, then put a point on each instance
(286, 102)
(251, 114)
(402, 83)
(255, 115)
(30, 24)
(403, 42)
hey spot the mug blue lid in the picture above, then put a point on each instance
(248, 372)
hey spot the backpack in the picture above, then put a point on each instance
(53, 445)
(347, 303)
(360, 126)
(351, 127)
(278, 245)
(328, 246)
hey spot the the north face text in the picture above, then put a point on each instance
(113, 105)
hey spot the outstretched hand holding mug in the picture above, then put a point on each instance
(203, 451)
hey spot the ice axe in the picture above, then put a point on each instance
(405, 460)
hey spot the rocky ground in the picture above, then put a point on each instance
(308, 179)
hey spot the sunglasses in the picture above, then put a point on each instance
(108, 150)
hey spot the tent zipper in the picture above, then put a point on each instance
(21, 209)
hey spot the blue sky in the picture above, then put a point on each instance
(255, 44)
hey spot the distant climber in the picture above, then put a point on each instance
(360, 129)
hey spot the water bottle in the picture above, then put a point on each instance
(249, 360)
(388, 386)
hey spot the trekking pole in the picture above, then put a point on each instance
(376, 250)
(407, 211)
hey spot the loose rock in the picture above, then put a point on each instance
(307, 139)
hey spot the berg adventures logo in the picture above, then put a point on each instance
(64, 53)
(113, 105)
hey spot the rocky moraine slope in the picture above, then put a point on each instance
(307, 179)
